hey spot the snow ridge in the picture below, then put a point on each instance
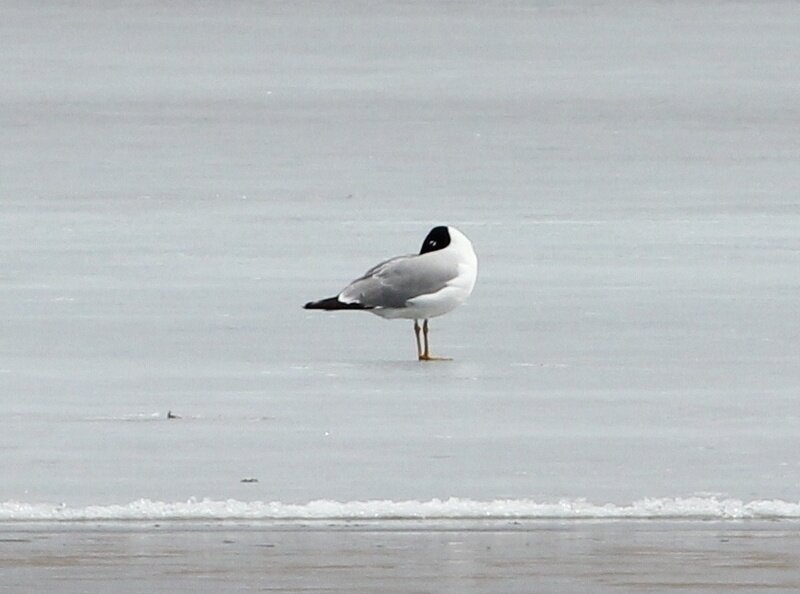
(435, 509)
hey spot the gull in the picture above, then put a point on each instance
(414, 287)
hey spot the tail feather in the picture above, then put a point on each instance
(332, 303)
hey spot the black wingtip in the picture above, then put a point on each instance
(331, 304)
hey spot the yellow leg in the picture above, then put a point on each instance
(426, 355)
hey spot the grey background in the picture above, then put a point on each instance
(177, 180)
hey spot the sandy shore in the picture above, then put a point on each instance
(583, 556)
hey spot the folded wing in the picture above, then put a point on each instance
(392, 283)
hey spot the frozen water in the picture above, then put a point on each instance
(178, 180)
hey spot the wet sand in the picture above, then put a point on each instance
(403, 556)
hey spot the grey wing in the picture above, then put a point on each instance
(393, 282)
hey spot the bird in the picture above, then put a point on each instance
(415, 286)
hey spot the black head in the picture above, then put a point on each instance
(437, 239)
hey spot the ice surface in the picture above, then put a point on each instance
(178, 180)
